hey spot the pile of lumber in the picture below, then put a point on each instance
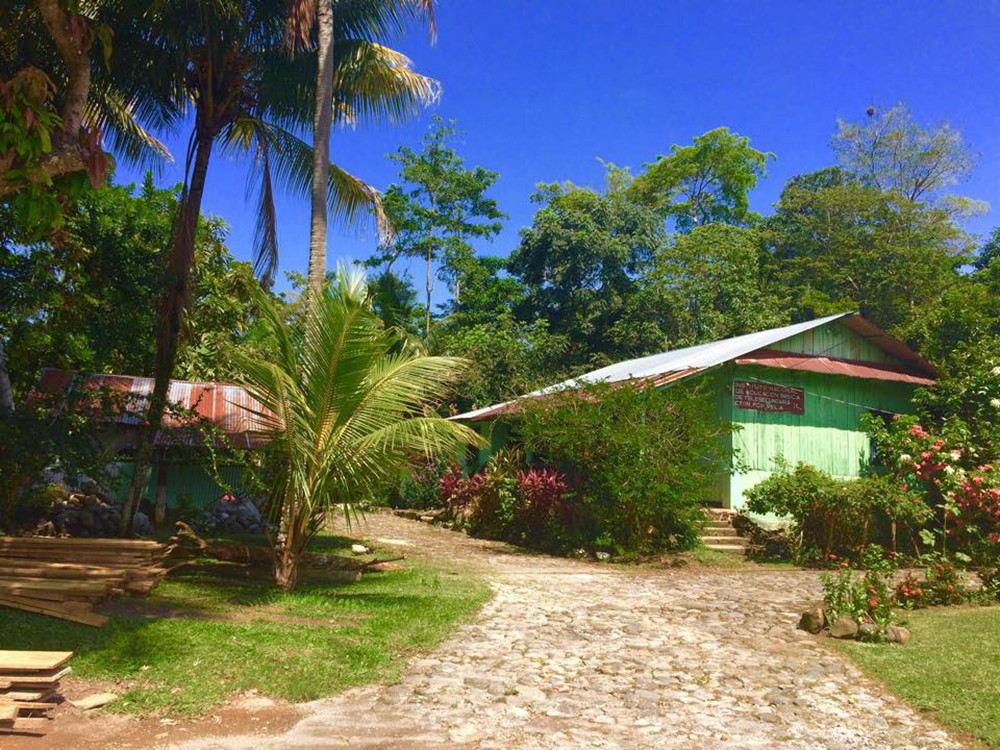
(65, 577)
(29, 688)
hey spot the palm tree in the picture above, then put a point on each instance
(343, 413)
(228, 60)
(304, 15)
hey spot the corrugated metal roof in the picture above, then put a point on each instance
(673, 365)
(223, 404)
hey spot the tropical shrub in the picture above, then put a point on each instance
(942, 584)
(510, 502)
(954, 492)
(641, 461)
(343, 413)
(419, 488)
(829, 515)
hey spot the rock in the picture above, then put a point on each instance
(868, 630)
(899, 635)
(844, 627)
(813, 620)
(603, 556)
(95, 701)
(360, 549)
(141, 524)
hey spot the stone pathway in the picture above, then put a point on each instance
(578, 655)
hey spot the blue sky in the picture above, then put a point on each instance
(542, 89)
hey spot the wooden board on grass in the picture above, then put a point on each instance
(42, 677)
(38, 694)
(32, 725)
(32, 661)
(53, 609)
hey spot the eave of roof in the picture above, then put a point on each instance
(834, 366)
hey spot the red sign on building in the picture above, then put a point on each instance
(769, 397)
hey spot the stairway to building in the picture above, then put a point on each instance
(719, 533)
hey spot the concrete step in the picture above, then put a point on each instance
(737, 548)
(732, 539)
(719, 531)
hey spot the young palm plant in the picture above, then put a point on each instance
(343, 413)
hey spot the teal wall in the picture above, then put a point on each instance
(182, 478)
(828, 434)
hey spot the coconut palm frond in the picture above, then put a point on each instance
(379, 85)
(351, 201)
(347, 414)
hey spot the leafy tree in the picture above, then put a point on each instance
(966, 310)
(394, 301)
(713, 281)
(582, 262)
(850, 246)
(891, 152)
(990, 250)
(345, 414)
(488, 293)
(72, 302)
(508, 359)
(438, 209)
(705, 182)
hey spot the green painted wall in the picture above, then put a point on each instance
(828, 434)
(185, 481)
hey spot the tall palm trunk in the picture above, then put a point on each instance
(176, 294)
(322, 124)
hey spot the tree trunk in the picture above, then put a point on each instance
(430, 288)
(176, 294)
(322, 124)
(6, 393)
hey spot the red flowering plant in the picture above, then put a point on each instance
(867, 599)
(940, 479)
(541, 502)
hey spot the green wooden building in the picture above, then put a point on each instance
(795, 393)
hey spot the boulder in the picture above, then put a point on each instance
(813, 620)
(899, 635)
(868, 630)
(844, 627)
(141, 524)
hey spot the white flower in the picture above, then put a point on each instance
(956, 455)
(949, 469)
(905, 458)
(995, 371)
(995, 403)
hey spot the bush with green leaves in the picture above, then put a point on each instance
(642, 461)
(829, 514)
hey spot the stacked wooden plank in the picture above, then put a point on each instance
(29, 688)
(65, 577)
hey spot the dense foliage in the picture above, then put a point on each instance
(640, 461)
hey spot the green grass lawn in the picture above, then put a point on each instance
(951, 667)
(211, 632)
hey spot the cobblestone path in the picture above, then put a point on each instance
(578, 655)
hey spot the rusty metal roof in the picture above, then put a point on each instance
(224, 405)
(835, 366)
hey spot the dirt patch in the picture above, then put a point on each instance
(73, 729)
